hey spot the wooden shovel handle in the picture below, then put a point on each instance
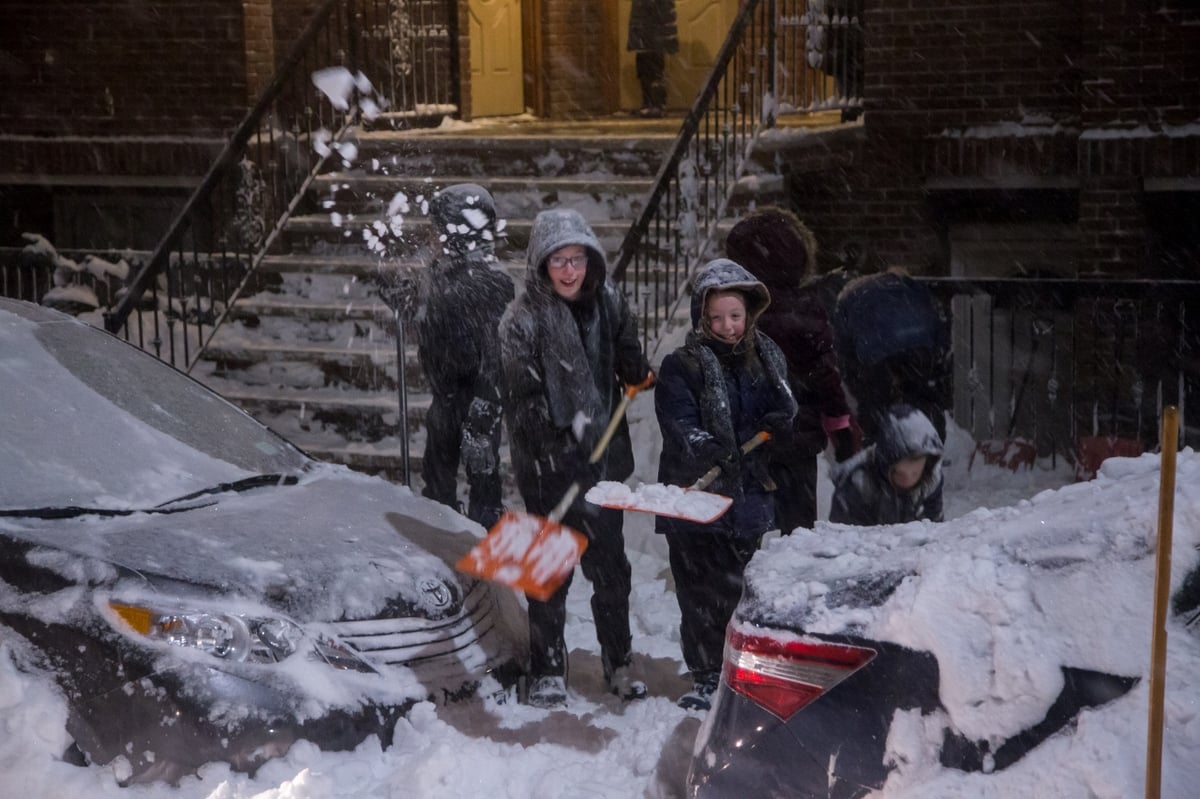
(618, 414)
(761, 437)
(573, 491)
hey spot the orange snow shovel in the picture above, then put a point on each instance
(692, 503)
(536, 554)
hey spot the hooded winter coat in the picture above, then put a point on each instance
(893, 341)
(778, 249)
(460, 301)
(556, 410)
(712, 397)
(863, 491)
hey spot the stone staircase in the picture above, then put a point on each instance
(313, 352)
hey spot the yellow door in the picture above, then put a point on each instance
(703, 26)
(497, 83)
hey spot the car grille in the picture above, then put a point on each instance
(470, 642)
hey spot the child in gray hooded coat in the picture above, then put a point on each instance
(897, 479)
(567, 345)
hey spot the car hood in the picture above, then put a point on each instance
(337, 545)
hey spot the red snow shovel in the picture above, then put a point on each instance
(692, 503)
(536, 554)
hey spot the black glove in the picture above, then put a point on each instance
(778, 424)
(844, 445)
(477, 453)
(480, 436)
(708, 451)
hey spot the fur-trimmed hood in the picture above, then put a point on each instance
(775, 246)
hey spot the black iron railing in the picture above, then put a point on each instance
(208, 257)
(781, 56)
(1064, 363)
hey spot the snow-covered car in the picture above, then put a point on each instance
(1004, 653)
(199, 589)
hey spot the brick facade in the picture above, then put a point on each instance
(998, 100)
(576, 59)
(1089, 100)
(259, 30)
(122, 67)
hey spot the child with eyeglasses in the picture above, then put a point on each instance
(567, 345)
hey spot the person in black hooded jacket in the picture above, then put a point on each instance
(778, 249)
(725, 384)
(895, 480)
(567, 345)
(651, 36)
(893, 342)
(460, 302)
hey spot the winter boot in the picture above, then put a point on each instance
(704, 685)
(548, 692)
(626, 681)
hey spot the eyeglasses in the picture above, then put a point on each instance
(560, 261)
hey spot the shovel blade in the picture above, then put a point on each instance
(691, 504)
(526, 552)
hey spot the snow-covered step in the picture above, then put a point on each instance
(347, 230)
(599, 199)
(550, 155)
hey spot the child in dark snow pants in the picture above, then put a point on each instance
(567, 345)
(726, 383)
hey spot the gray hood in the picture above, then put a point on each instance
(722, 274)
(560, 227)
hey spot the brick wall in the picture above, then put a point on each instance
(932, 64)
(1143, 62)
(1089, 98)
(576, 59)
(259, 26)
(111, 67)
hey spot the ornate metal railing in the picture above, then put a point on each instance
(781, 56)
(209, 255)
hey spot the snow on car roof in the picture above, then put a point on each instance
(1004, 598)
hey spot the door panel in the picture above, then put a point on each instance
(497, 82)
(703, 26)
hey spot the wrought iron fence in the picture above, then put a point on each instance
(1074, 368)
(399, 61)
(781, 56)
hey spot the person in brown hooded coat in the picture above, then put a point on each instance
(778, 249)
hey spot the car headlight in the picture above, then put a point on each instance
(229, 636)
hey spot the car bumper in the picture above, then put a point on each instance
(165, 728)
(833, 748)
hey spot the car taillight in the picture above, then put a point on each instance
(784, 675)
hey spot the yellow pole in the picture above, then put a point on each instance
(1162, 594)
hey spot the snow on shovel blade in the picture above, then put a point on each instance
(530, 553)
(662, 500)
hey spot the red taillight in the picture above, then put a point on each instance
(784, 675)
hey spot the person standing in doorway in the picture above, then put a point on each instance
(567, 345)
(652, 35)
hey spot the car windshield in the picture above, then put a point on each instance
(92, 422)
